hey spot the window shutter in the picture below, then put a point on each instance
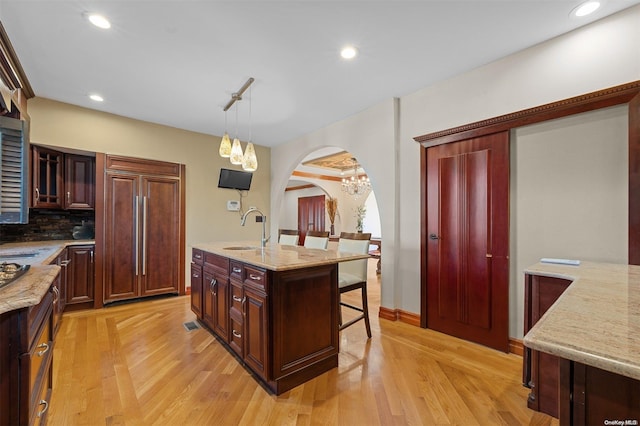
(13, 171)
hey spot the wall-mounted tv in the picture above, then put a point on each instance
(235, 179)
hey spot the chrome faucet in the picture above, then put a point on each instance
(264, 239)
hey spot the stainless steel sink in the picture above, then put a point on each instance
(240, 248)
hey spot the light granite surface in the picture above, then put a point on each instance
(277, 257)
(30, 288)
(596, 321)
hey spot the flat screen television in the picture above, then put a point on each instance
(235, 179)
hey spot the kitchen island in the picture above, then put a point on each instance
(594, 330)
(274, 308)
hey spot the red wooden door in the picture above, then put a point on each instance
(311, 212)
(468, 240)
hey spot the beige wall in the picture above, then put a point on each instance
(597, 56)
(63, 125)
(569, 194)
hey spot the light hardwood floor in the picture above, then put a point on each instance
(136, 364)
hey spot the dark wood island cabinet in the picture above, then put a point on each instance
(541, 371)
(275, 309)
(586, 347)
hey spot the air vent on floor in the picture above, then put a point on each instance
(191, 325)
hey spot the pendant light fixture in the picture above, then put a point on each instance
(225, 143)
(236, 148)
(248, 159)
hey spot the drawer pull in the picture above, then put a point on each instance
(237, 299)
(236, 334)
(65, 263)
(236, 270)
(196, 276)
(198, 256)
(44, 410)
(44, 347)
(255, 277)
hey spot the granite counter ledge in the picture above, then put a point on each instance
(596, 321)
(277, 257)
(29, 289)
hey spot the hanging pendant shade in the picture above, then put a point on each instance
(236, 152)
(249, 160)
(225, 146)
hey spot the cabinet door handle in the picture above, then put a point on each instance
(137, 220)
(144, 235)
(91, 254)
(255, 277)
(212, 286)
(44, 347)
(37, 195)
(244, 300)
(44, 410)
(68, 198)
(237, 270)
(56, 294)
(236, 334)
(237, 299)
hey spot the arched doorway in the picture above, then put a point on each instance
(320, 174)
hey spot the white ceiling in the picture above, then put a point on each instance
(178, 62)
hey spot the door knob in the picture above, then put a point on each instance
(433, 237)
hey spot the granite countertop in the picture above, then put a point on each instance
(596, 321)
(278, 257)
(29, 289)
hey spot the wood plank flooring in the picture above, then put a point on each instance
(136, 364)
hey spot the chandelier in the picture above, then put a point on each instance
(356, 185)
(234, 153)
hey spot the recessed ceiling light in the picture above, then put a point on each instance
(349, 52)
(98, 20)
(96, 97)
(585, 8)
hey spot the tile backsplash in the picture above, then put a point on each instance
(47, 225)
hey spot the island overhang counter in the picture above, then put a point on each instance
(593, 328)
(274, 308)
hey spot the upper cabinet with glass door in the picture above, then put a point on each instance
(62, 181)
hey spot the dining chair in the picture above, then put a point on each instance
(352, 275)
(288, 237)
(317, 239)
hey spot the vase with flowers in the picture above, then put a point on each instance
(332, 209)
(361, 212)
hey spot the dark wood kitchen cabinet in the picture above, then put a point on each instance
(26, 363)
(282, 325)
(143, 228)
(59, 289)
(80, 277)
(215, 306)
(47, 168)
(541, 371)
(196, 282)
(79, 182)
(248, 316)
(62, 181)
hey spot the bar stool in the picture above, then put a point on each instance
(352, 275)
(317, 239)
(289, 237)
